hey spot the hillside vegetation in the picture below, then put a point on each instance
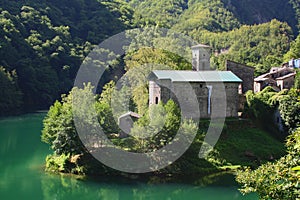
(42, 43)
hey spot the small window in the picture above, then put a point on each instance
(156, 100)
(201, 86)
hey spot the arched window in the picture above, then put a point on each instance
(156, 100)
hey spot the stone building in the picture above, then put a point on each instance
(126, 122)
(215, 93)
(200, 88)
(279, 78)
(244, 72)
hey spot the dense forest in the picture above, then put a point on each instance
(42, 43)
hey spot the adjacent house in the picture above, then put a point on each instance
(294, 63)
(279, 78)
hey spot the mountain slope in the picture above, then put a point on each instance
(165, 13)
(42, 43)
(206, 15)
(261, 11)
(219, 14)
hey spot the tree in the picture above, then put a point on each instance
(10, 95)
(289, 107)
(278, 180)
(294, 51)
(297, 80)
(59, 130)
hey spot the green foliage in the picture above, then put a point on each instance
(44, 42)
(157, 12)
(297, 80)
(258, 11)
(278, 180)
(260, 45)
(206, 15)
(294, 51)
(262, 105)
(289, 107)
(105, 118)
(65, 163)
(245, 146)
(296, 6)
(260, 108)
(10, 95)
(59, 131)
(157, 127)
(57, 163)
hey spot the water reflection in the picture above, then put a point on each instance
(65, 187)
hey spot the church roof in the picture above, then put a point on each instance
(201, 46)
(195, 76)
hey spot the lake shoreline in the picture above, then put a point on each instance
(22, 174)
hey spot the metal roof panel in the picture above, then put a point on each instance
(196, 76)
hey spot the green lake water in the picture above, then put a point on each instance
(22, 176)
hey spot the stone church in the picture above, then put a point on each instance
(201, 86)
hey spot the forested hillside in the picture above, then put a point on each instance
(42, 43)
(261, 11)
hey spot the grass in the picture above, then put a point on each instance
(242, 144)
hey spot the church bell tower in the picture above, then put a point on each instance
(201, 57)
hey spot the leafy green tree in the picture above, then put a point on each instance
(10, 95)
(262, 106)
(45, 43)
(260, 45)
(259, 107)
(289, 107)
(297, 80)
(59, 130)
(296, 6)
(294, 51)
(206, 15)
(278, 180)
(157, 12)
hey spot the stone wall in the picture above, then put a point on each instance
(286, 83)
(154, 93)
(192, 95)
(233, 99)
(244, 72)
